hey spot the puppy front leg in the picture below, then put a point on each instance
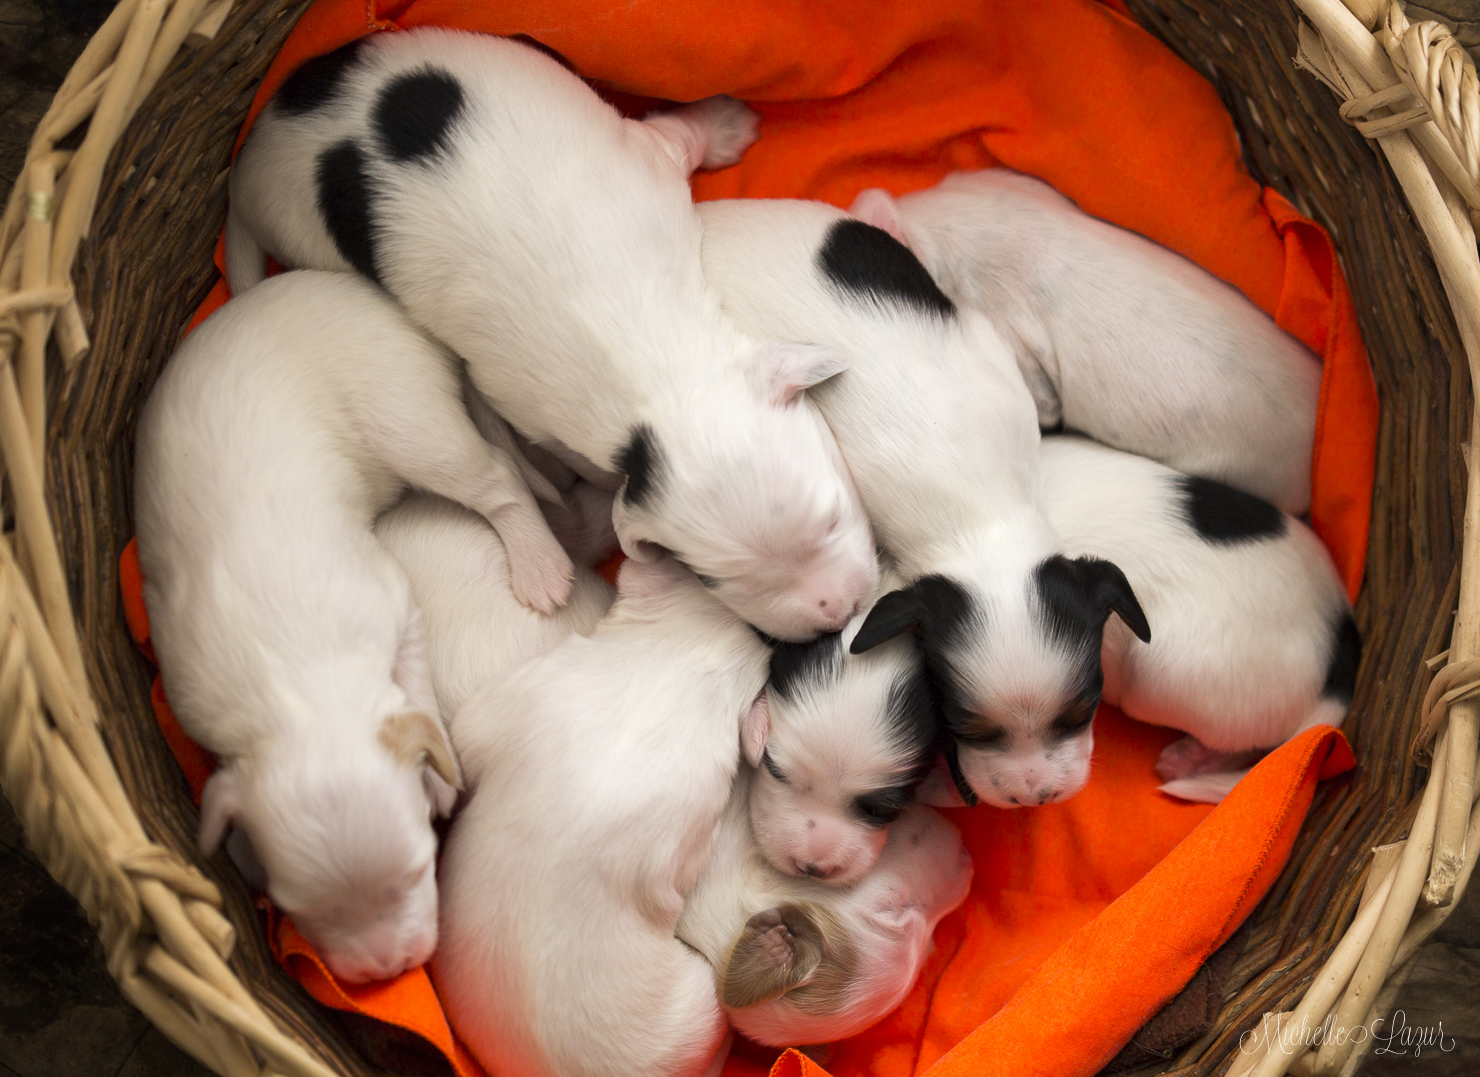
(712, 133)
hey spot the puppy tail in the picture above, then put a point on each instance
(246, 262)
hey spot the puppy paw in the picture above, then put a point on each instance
(732, 126)
(540, 571)
(1203, 788)
(1183, 758)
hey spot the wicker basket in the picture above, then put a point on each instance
(107, 249)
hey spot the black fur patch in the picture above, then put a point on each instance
(958, 777)
(914, 717)
(640, 461)
(933, 608)
(795, 663)
(866, 261)
(1225, 516)
(1341, 673)
(415, 113)
(1077, 596)
(344, 200)
(316, 82)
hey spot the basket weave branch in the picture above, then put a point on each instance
(106, 250)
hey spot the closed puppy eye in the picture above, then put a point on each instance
(771, 768)
(981, 736)
(1074, 720)
(880, 809)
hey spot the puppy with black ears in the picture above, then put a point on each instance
(942, 438)
(554, 245)
(840, 743)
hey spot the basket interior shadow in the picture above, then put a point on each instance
(147, 264)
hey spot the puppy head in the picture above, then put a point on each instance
(840, 745)
(743, 483)
(343, 833)
(1018, 670)
(832, 962)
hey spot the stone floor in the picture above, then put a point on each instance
(61, 1014)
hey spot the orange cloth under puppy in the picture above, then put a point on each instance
(1084, 917)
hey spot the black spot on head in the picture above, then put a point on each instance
(316, 82)
(344, 200)
(1225, 516)
(793, 664)
(640, 461)
(868, 262)
(414, 114)
(1341, 673)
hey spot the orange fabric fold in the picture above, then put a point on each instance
(1084, 917)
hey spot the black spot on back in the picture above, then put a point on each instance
(414, 114)
(344, 200)
(1225, 516)
(1341, 673)
(316, 82)
(640, 461)
(868, 262)
(793, 664)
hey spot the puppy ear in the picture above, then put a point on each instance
(896, 612)
(416, 739)
(755, 727)
(877, 207)
(220, 803)
(932, 607)
(958, 776)
(788, 368)
(1113, 591)
(779, 949)
(629, 533)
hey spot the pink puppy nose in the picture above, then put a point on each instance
(814, 870)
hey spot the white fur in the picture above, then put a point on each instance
(474, 628)
(1118, 337)
(888, 917)
(554, 245)
(285, 632)
(1242, 632)
(599, 773)
(833, 742)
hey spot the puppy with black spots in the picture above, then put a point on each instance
(840, 743)
(554, 245)
(598, 774)
(1255, 639)
(942, 438)
(799, 962)
(1118, 337)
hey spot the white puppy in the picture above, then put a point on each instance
(599, 773)
(554, 245)
(286, 634)
(797, 962)
(942, 438)
(473, 627)
(844, 739)
(1255, 640)
(1118, 337)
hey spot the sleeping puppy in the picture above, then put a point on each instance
(285, 632)
(843, 740)
(797, 962)
(472, 626)
(942, 439)
(554, 245)
(1118, 337)
(1255, 639)
(599, 773)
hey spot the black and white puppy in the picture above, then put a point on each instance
(1118, 337)
(843, 740)
(797, 962)
(1255, 639)
(554, 245)
(942, 438)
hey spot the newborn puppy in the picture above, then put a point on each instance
(1116, 336)
(942, 438)
(554, 245)
(796, 962)
(843, 740)
(1255, 639)
(285, 632)
(599, 773)
(472, 626)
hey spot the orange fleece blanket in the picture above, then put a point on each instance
(1084, 917)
